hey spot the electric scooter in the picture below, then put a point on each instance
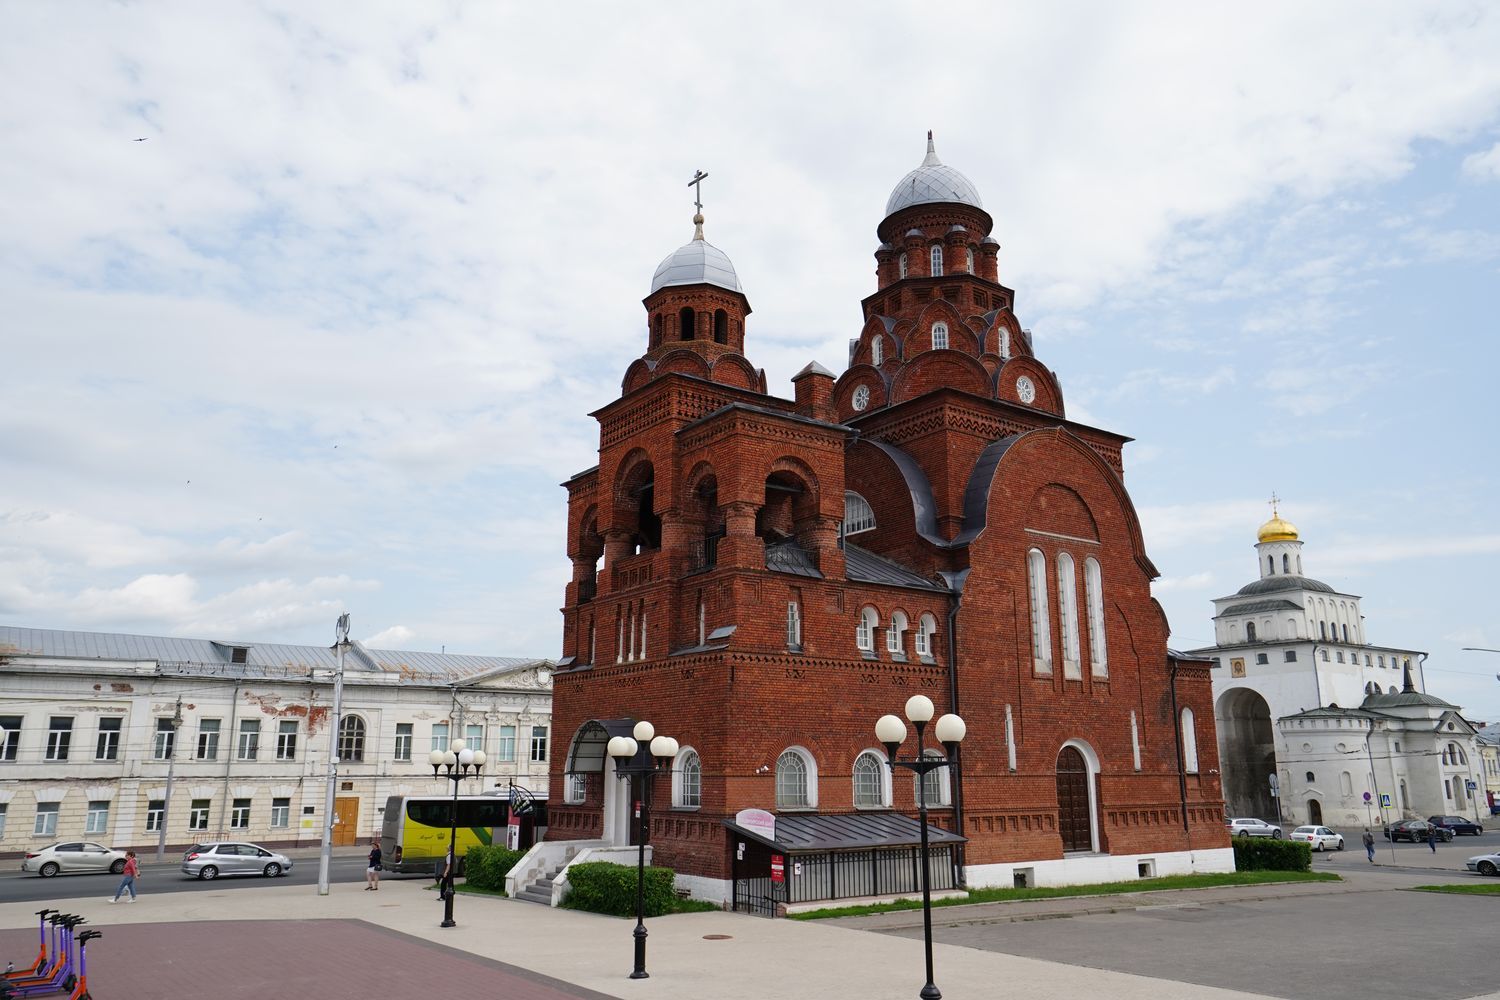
(60, 976)
(81, 989)
(40, 965)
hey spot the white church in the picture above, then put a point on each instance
(1319, 725)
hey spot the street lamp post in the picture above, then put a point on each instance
(891, 731)
(642, 777)
(456, 763)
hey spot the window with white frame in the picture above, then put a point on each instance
(505, 745)
(286, 739)
(903, 265)
(538, 744)
(970, 266)
(869, 781)
(97, 820)
(934, 784)
(864, 634)
(108, 747)
(59, 736)
(1067, 612)
(576, 789)
(793, 625)
(281, 813)
(440, 738)
(1004, 344)
(857, 514)
(239, 815)
(687, 780)
(10, 736)
(403, 741)
(1010, 740)
(702, 621)
(166, 736)
(642, 653)
(198, 815)
(895, 634)
(155, 809)
(877, 352)
(46, 820)
(1189, 742)
(474, 736)
(208, 739)
(249, 745)
(936, 260)
(1093, 586)
(1041, 627)
(352, 738)
(926, 628)
(3, 808)
(795, 780)
(940, 336)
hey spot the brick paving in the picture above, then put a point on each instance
(330, 959)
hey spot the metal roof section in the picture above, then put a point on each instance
(1277, 584)
(813, 368)
(261, 659)
(863, 566)
(698, 262)
(924, 508)
(1260, 607)
(933, 181)
(977, 492)
(789, 557)
(800, 833)
(767, 411)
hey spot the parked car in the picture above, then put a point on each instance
(1320, 838)
(1414, 830)
(75, 856)
(1485, 864)
(1252, 828)
(209, 861)
(1457, 824)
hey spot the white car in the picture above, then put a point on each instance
(1485, 864)
(73, 856)
(1252, 828)
(1319, 837)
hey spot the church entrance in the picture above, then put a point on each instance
(1247, 753)
(1315, 812)
(1073, 820)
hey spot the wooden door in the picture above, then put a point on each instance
(345, 821)
(1073, 801)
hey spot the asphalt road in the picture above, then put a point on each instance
(16, 886)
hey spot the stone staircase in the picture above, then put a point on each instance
(540, 891)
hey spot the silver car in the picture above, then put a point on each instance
(1252, 828)
(208, 861)
(73, 856)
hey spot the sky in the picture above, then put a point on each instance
(306, 305)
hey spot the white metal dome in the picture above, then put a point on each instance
(697, 262)
(932, 182)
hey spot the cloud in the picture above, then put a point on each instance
(394, 637)
(1483, 165)
(1197, 581)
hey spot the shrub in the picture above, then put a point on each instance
(486, 867)
(604, 887)
(1262, 854)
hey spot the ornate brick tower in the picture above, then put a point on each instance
(777, 573)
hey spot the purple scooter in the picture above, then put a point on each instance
(59, 977)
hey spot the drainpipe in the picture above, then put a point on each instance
(955, 598)
(234, 708)
(1177, 742)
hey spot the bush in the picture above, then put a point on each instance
(486, 867)
(1262, 854)
(603, 887)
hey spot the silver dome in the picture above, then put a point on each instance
(932, 182)
(698, 262)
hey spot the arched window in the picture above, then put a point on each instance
(864, 635)
(687, 322)
(721, 327)
(1323, 634)
(702, 622)
(1067, 611)
(1346, 632)
(1286, 563)
(1310, 778)
(857, 514)
(351, 738)
(877, 351)
(1010, 740)
(1004, 344)
(970, 267)
(1299, 565)
(1249, 631)
(895, 639)
(642, 653)
(1271, 565)
(934, 785)
(687, 780)
(926, 626)
(903, 265)
(937, 262)
(940, 336)
(1093, 585)
(1189, 742)
(1135, 742)
(793, 625)
(656, 331)
(795, 780)
(1346, 783)
(869, 781)
(1041, 629)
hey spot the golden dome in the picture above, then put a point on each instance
(1277, 530)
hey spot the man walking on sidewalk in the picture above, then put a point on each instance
(132, 871)
(1432, 838)
(1369, 841)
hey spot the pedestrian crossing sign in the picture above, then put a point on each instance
(1385, 801)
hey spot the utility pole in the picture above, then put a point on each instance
(166, 802)
(342, 629)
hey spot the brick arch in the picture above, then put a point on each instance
(1006, 320)
(933, 369)
(682, 360)
(733, 369)
(961, 336)
(1061, 510)
(876, 379)
(638, 374)
(1049, 395)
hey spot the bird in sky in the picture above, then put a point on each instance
(141, 139)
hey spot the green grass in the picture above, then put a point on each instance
(999, 895)
(1493, 889)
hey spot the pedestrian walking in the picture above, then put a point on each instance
(132, 872)
(1369, 841)
(1432, 837)
(372, 873)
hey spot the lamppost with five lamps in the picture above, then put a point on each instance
(891, 731)
(642, 776)
(456, 763)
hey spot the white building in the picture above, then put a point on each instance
(91, 725)
(1306, 706)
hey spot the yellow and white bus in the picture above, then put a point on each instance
(414, 836)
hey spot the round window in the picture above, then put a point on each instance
(861, 397)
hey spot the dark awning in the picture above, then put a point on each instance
(586, 755)
(803, 833)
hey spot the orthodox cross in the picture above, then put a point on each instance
(1273, 502)
(697, 184)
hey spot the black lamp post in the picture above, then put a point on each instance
(456, 763)
(891, 731)
(641, 773)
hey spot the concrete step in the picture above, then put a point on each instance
(533, 894)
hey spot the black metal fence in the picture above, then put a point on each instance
(876, 872)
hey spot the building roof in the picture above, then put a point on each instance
(803, 833)
(863, 566)
(1260, 607)
(696, 262)
(1277, 584)
(789, 557)
(260, 659)
(933, 181)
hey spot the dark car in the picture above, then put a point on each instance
(1457, 824)
(1415, 830)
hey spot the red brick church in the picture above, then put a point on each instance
(762, 578)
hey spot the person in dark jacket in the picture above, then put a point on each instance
(372, 873)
